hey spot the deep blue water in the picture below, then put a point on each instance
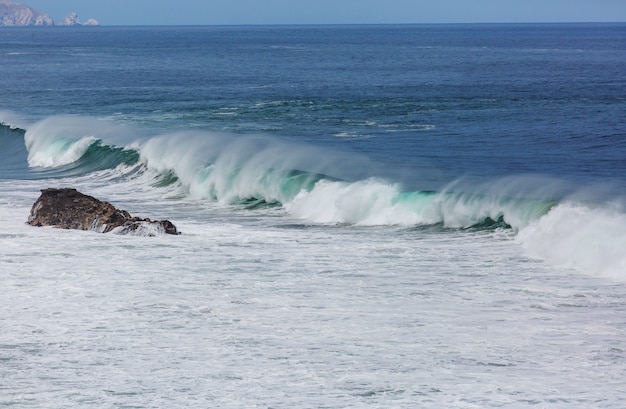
(430, 103)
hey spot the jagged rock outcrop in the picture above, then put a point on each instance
(17, 14)
(73, 20)
(70, 209)
(91, 22)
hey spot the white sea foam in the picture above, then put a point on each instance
(144, 229)
(369, 202)
(588, 238)
(312, 317)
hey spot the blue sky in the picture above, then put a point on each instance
(158, 12)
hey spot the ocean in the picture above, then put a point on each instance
(410, 216)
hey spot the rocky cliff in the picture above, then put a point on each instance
(17, 14)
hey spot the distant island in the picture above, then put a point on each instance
(20, 15)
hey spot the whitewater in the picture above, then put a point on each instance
(349, 239)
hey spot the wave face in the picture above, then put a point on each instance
(12, 150)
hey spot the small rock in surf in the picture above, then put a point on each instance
(70, 209)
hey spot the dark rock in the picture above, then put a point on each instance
(70, 209)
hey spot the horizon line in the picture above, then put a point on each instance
(325, 24)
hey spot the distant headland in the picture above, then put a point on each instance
(20, 15)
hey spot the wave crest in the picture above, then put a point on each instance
(76, 143)
(233, 169)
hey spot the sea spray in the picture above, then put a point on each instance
(61, 140)
(514, 200)
(13, 120)
(232, 168)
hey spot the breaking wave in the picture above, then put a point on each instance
(325, 187)
(83, 144)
